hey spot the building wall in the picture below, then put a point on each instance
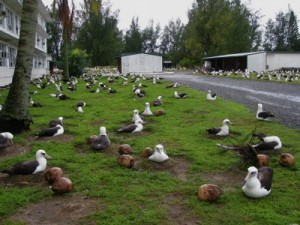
(141, 63)
(279, 60)
(257, 62)
(9, 37)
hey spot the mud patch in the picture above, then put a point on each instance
(13, 150)
(36, 180)
(175, 165)
(61, 210)
(227, 180)
(58, 138)
(177, 213)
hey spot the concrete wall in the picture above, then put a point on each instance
(141, 63)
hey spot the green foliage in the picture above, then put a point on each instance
(187, 63)
(282, 34)
(133, 41)
(78, 60)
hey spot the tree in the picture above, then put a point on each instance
(98, 33)
(15, 116)
(66, 17)
(172, 45)
(150, 37)
(133, 37)
(282, 34)
(219, 27)
(54, 30)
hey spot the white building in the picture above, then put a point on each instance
(10, 20)
(255, 61)
(140, 63)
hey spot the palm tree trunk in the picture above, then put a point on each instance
(15, 116)
(66, 76)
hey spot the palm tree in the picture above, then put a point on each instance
(14, 116)
(66, 19)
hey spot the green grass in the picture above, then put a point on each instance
(137, 196)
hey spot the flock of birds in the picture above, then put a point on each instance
(257, 183)
(277, 75)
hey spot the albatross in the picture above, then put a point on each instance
(31, 166)
(211, 96)
(158, 101)
(51, 131)
(59, 121)
(179, 95)
(258, 182)
(220, 131)
(159, 154)
(102, 142)
(267, 142)
(6, 139)
(263, 115)
(147, 111)
(132, 128)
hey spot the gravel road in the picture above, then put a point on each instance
(283, 99)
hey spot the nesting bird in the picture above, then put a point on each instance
(35, 104)
(147, 111)
(267, 142)
(59, 121)
(31, 166)
(220, 131)
(263, 115)
(159, 154)
(158, 101)
(258, 182)
(51, 131)
(136, 116)
(179, 95)
(211, 96)
(102, 142)
(132, 128)
(6, 139)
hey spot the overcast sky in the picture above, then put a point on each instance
(162, 11)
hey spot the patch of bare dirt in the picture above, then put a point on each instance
(15, 149)
(60, 210)
(22, 180)
(58, 138)
(177, 213)
(175, 165)
(227, 180)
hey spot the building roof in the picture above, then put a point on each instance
(234, 55)
(138, 53)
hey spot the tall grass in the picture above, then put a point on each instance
(139, 195)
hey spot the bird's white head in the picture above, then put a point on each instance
(252, 172)
(159, 97)
(208, 91)
(226, 121)
(102, 131)
(159, 148)
(42, 154)
(147, 104)
(60, 118)
(259, 105)
(135, 112)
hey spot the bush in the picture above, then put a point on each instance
(78, 60)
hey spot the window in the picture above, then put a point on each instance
(12, 57)
(17, 25)
(2, 11)
(3, 55)
(10, 20)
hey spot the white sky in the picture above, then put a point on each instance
(162, 11)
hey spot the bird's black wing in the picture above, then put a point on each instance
(265, 175)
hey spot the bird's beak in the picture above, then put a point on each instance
(246, 178)
(47, 156)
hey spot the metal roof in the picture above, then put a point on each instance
(234, 55)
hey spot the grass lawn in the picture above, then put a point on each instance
(149, 193)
